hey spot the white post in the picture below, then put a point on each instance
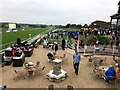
(85, 48)
(67, 40)
(78, 43)
(30, 36)
(113, 49)
(94, 49)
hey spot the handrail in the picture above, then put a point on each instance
(26, 39)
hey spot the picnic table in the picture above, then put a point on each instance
(103, 69)
(88, 55)
(30, 68)
(97, 60)
(100, 70)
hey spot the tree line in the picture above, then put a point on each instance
(95, 24)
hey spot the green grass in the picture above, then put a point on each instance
(12, 36)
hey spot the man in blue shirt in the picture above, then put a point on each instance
(110, 74)
(76, 60)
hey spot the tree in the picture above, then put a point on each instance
(92, 26)
(68, 25)
(73, 25)
(79, 26)
(85, 26)
(43, 26)
(4, 25)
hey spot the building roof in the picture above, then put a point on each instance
(115, 16)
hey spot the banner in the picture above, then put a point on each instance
(12, 26)
(73, 34)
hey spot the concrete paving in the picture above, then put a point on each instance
(85, 79)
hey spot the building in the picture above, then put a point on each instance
(115, 28)
(115, 23)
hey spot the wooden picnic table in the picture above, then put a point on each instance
(97, 60)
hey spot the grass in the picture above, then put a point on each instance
(12, 36)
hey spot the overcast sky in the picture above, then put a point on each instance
(57, 11)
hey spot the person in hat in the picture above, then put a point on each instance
(117, 69)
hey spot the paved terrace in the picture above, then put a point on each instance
(85, 79)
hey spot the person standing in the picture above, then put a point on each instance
(19, 41)
(76, 61)
(63, 44)
(111, 43)
(45, 43)
(56, 48)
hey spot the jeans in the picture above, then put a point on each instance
(76, 67)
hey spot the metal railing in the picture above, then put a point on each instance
(4, 46)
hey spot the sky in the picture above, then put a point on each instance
(58, 12)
